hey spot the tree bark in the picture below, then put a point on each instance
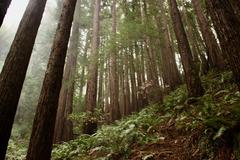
(172, 75)
(91, 94)
(140, 103)
(228, 31)
(236, 7)
(63, 126)
(41, 140)
(133, 81)
(121, 86)
(213, 50)
(15, 67)
(126, 85)
(192, 78)
(114, 86)
(155, 95)
(4, 4)
(82, 79)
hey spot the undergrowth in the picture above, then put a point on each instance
(214, 117)
(215, 114)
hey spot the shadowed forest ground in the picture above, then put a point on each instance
(180, 129)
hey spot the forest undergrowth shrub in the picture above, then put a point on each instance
(16, 150)
(215, 115)
(217, 112)
(82, 118)
(116, 139)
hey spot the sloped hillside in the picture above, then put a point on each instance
(181, 129)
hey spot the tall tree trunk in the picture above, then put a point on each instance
(107, 90)
(100, 100)
(91, 94)
(4, 4)
(133, 81)
(213, 50)
(41, 140)
(114, 87)
(155, 93)
(15, 67)
(170, 69)
(139, 71)
(228, 31)
(84, 59)
(126, 85)
(63, 132)
(192, 78)
(121, 86)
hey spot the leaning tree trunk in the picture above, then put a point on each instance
(228, 31)
(15, 67)
(40, 146)
(213, 50)
(170, 70)
(4, 4)
(62, 131)
(192, 78)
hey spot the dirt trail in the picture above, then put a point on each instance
(173, 145)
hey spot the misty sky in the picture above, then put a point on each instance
(14, 13)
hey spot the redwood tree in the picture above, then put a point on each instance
(4, 4)
(170, 71)
(227, 25)
(15, 67)
(114, 102)
(192, 78)
(40, 146)
(63, 127)
(214, 53)
(91, 94)
(93, 66)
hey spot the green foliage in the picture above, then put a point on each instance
(16, 150)
(113, 140)
(84, 117)
(214, 115)
(176, 98)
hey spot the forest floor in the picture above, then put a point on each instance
(182, 128)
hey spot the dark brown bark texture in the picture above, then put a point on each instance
(15, 67)
(41, 140)
(133, 82)
(91, 95)
(228, 31)
(4, 4)
(170, 70)
(114, 87)
(236, 6)
(192, 78)
(63, 127)
(127, 104)
(213, 50)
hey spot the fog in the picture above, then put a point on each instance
(39, 58)
(12, 20)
